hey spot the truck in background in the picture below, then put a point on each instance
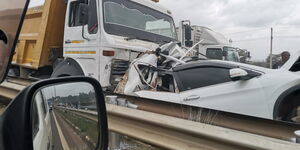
(206, 42)
(96, 38)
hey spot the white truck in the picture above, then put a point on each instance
(102, 36)
(96, 38)
(207, 42)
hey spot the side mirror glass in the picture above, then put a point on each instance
(83, 11)
(237, 74)
(68, 112)
(62, 113)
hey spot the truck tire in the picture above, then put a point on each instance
(67, 67)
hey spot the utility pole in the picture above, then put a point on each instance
(271, 49)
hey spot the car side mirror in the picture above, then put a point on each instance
(62, 113)
(83, 11)
(12, 14)
(237, 74)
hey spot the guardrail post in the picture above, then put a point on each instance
(114, 141)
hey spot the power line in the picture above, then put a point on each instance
(253, 39)
(290, 37)
(246, 31)
(261, 38)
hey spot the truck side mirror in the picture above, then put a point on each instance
(248, 55)
(83, 11)
(188, 35)
(224, 53)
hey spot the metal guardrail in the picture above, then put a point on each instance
(175, 133)
(9, 91)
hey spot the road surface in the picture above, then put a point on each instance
(64, 135)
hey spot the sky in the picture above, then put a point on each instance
(67, 89)
(246, 22)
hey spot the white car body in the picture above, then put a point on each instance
(257, 96)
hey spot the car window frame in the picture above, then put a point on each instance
(182, 89)
(180, 84)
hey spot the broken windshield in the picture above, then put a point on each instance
(126, 17)
(232, 54)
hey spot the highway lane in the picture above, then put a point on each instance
(55, 136)
(73, 140)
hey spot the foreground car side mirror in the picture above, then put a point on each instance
(237, 74)
(50, 114)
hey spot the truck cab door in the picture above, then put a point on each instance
(81, 40)
(81, 25)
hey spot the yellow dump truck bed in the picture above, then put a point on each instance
(42, 31)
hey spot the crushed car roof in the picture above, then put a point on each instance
(202, 63)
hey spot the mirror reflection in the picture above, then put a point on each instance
(64, 116)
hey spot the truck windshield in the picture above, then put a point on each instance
(232, 54)
(130, 19)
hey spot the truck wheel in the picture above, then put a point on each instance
(68, 67)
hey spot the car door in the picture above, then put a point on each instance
(211, 87)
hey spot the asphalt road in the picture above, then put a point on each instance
(55, 136)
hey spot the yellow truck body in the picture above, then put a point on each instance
(42, 32)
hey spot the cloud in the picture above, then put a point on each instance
(34, 3)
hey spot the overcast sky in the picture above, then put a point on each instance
(246, 22)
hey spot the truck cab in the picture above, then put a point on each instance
(101, 37)
(206, 42)
(220, 52)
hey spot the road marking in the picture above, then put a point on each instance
(61, 136)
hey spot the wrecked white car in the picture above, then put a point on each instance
(215, 84)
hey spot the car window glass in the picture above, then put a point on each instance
(166, 83)
(74, 14)
(214, 53)
(93, 21)
(201, 77)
